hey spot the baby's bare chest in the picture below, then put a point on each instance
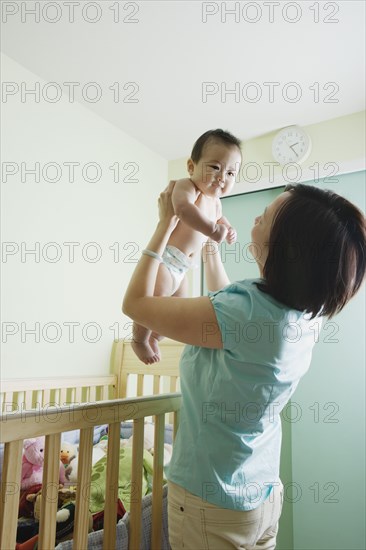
(208, 206)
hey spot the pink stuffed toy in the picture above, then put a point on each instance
(32, 465)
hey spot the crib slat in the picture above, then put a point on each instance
(46, 398)
(140, 385)
(172, 389)
(56, 395)
(63, 396)
(175, 423)
(93, 394)
(83, 490)
(156, 388)
(136, 483)
(38, 401)
(123, 384)
(78, 395)
(28, 399)
(111, 488)
(173, 384)
(12, 468)
(20, 399)
(4, 402)
(157, 498)
(72, 395)
(9, 404)
(50, 483)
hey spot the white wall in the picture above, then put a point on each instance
(104, 212)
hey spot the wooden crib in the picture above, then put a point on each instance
(31, 408)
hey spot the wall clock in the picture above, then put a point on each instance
(291, 144)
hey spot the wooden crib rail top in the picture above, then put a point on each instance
(34, 423)
(124, 359)
(24, 384)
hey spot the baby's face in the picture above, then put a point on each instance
(215, 172)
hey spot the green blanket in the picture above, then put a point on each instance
(99, 474)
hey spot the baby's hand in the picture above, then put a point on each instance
(231, 235)
(220, 233)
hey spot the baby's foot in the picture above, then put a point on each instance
(144, 352)
(153, 341)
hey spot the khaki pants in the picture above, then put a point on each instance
(195, 524)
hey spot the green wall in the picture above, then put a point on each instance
(322, 459)
(328, 442)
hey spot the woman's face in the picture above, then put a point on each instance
(261, 230)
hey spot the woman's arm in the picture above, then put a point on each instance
(188, 320)
(216, 276)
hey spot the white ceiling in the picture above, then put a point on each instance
(169, 52)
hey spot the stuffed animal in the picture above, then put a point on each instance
(68, 453)
(65, 496)
(32, 463)
(149, 431)
(65, 514)
(99, 451)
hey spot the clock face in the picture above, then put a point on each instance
(291, 144)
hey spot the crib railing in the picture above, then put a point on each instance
(16, 426)
(133, 375)
(24, 394)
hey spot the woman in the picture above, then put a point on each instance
(250, 342)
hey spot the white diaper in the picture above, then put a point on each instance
(177, 263)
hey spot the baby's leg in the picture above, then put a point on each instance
(181, 292)
(140, 344)
(140, 339)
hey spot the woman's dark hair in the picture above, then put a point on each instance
(213, 135)
(317, 251)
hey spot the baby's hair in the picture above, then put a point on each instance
(213, 135)
(317, 251)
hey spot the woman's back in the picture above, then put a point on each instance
(228, 444)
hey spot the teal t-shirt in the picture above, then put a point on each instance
(227, 449)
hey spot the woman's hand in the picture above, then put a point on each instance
(166, 210)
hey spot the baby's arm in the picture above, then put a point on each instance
(183, 198)
(231, 232)
(216, 276)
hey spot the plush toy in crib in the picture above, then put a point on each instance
(99, 450)
(67, 453)
(149, 431)
(62, 514)
(32, 463)
(65, 513)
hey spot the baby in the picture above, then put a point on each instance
(212, 167)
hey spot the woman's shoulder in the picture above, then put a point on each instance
(236, 297)
(244, 286)
(250, 294)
